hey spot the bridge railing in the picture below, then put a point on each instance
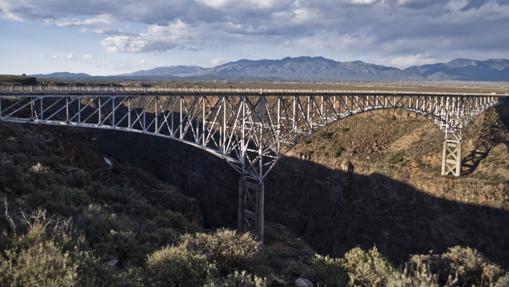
(157, 90)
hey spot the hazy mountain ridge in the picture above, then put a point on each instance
(63, 76)
(465, 70)
(179, 71)
(318, 69)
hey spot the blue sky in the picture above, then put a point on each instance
(105, 37)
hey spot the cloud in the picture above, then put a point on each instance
(71, 57)
(156, 38)
(99, 20)
(404, 30)
(364, 2)
(100, 24)
(217, 61)
(411, 60)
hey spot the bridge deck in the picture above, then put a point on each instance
(163, 91)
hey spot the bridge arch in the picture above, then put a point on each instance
(438, 121)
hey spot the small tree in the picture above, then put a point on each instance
(239, 279)
(470, 267)
(174, 266)
(50, 254)
(227, 249)
(326, 271)
(367, 268)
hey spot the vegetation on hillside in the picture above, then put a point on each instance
(17, 80)
(52, 253)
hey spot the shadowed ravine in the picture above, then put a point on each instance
(331, 210)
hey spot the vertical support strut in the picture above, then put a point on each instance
(251, 207)
(241, 217)
(451, 157)
(260, 218)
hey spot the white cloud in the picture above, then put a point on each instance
(217, 61)
(246, 4)
(88, 58)
(156, 38)
(100, 24)
(103, 19)
(7, 13)
(411, 60)
(364, 2)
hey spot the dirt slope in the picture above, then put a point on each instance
(407, 147)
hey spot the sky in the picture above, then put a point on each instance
(107, 37)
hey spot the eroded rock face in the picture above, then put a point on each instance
(395, 198)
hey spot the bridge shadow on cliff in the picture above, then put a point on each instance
(335, 211)
(332, 210)
(489, 136)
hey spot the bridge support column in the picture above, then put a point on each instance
(241, 217)
(251, 207)
(451, 157)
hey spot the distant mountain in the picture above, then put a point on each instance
(315, 69)
(464, 70)
(175, 71)
(63, 76)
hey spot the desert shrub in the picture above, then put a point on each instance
(175, 266)
(326, 271)
(131, 277)
(470, 267)
(325, 135)
(238, 279)
(92, 272)
(50, 254)
(176, 219)
(458, 266)
(396, 158)
(367, 268)
(42, 264)
(338, 151)
(503, 281)
(416, 273)
(78, 178)
(227, 249)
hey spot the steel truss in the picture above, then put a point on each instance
(246, 127)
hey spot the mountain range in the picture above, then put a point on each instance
(314, 69)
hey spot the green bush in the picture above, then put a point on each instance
(49, 254)
(459, 266)
(417, 273)
(42, 264)
(326, 271)
(367, 268)
(338, 151)
(175, 266)
(92, 272)
(503, 281)
(325, 135)
(227, 249)
(470, 267)
(239, 279)
(396, 158)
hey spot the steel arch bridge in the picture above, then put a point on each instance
(246, 127)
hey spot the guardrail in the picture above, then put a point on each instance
(214, 91)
